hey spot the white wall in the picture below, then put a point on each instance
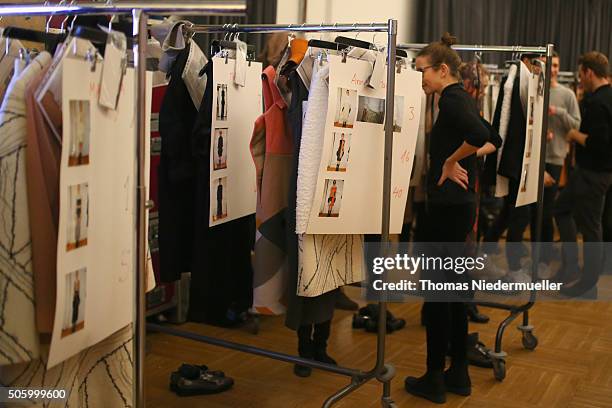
(354, 11)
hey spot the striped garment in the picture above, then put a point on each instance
(100, 376)
(18, 335)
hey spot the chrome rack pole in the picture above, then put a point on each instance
(484, 48)
(272, 28)
(543, 136)
(212, 8)
(385, 373)
(139, 21)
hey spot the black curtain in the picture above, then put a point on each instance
(258, 12)
(573, 26)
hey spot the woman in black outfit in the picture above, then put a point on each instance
(457, 137)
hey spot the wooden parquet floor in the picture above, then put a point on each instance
(572, 366)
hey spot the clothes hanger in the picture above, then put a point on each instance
(354, 42)
(27, 34)
(326, 45)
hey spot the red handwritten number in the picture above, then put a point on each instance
(398, 192)
(405, 157)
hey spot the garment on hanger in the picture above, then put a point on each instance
(511, 154)
(18, 336)
(342, 254)
(300, 310)
(509, 119)
(311, 147)
(171, 36)
(43, 156)
(272, 149)
(7, 62)
(176, 169)
(222, 276)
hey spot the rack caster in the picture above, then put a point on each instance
(499, 369)
(499, 365)
(529, 340)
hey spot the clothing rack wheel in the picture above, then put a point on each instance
(499, 368)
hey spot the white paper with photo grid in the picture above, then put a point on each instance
(109, 255)
(360, 209)
(243, 105)
(530, 171)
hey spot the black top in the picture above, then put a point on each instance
(221, 286)
(175, 173)
(458, 121)
(596, 154)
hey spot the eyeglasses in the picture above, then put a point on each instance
(422, 70)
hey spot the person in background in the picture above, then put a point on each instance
(564, 115)
(580, 205)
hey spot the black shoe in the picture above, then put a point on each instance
(370, 310)
(457, 380)
(477, 352)
(322, 357)
(206, 383)
(580, 290)
(359, 322)
(343, 302)
(395, 325)
(190, 372)
(430, 386)
(302, 371)
(474, 315)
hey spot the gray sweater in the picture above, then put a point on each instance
(567, 117)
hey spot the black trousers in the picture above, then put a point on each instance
(515, 220)
(580, 207)
(548, 207)
(607, 217)
(518, 220)
(607, 231)
(447, 322)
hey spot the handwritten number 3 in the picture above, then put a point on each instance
(411, 113)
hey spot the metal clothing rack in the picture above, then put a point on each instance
(530, 342)
(381, 371)
(140, 12)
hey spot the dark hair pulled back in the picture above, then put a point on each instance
(440, 52)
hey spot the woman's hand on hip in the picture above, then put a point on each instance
(452, 170)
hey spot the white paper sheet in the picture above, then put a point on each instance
(356, 112)
(96, 242)
(530, 172)
(233, 188)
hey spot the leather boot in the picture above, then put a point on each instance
(430, 386)
(319, 339)
(305, 350)
(457, 379)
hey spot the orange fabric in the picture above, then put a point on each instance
(298, 50)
